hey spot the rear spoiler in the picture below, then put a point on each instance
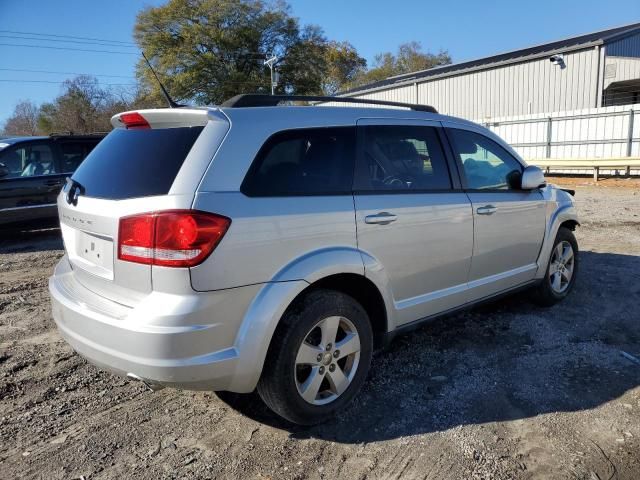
(165, 117)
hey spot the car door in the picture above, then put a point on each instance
(509, 223)
(411, 216)
(30, 189)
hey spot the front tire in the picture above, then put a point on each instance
(561, 271)
(318, 359)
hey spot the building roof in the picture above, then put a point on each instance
(578, 42)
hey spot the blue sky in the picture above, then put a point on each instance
(466, 28)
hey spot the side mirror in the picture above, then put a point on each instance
(532, 178)
(4, 171)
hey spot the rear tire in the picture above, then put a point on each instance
(318, 359)
(562, 270)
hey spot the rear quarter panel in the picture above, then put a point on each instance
(269, 234)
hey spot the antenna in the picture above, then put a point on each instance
(170, 101)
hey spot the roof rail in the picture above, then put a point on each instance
(70, 133)
(258, 100)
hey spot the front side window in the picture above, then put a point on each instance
(486, 165)
(316, 161)
(404, 158)
(29, 160)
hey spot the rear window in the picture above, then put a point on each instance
(316, 161)
(135, 163)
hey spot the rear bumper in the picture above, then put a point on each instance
(161, 340)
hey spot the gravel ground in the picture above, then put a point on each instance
(507, 390)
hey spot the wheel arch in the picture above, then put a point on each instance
(571, 224)
(339, 268)
(564, 216)
(362, 290)
(350, 271)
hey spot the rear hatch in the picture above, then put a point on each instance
(153, 160)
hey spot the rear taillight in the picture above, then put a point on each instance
(172, 238)
(134, 121)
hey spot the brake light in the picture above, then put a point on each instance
(172, 238)
(134, 121)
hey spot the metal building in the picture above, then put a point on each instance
(586, 71)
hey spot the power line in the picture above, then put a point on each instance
(257, 55)
(66, 36)
(63, 73)
(55, 82)
(78, 42)
(8, 80)
(65, 48)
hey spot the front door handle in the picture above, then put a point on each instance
(53, 183)
(382, 218)
(487, 210)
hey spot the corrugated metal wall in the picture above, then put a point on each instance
(405, 94)
(621, 69)
(625, 47)
(531, 87)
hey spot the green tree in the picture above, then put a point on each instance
(210, 50)
(343, 67)
(409, 58)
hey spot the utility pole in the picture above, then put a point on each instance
(270, 62)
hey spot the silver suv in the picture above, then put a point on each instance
(255, 245)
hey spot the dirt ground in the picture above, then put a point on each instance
(507, 390)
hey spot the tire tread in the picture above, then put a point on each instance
(273, 387)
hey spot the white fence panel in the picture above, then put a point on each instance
(595, 133)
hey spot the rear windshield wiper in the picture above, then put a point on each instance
(74, 189)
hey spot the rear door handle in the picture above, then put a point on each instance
(382, 218)
(487, 210)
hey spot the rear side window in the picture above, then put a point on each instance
(403, 158)
(135, 163)
(316, 161)
(73, 153)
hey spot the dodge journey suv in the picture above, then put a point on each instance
(261, 246)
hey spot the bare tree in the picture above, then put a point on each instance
(24, 120)
(86, 107)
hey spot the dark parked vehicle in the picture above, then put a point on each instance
(32, 172)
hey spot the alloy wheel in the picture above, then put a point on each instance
(561, 267)
(327, 360)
